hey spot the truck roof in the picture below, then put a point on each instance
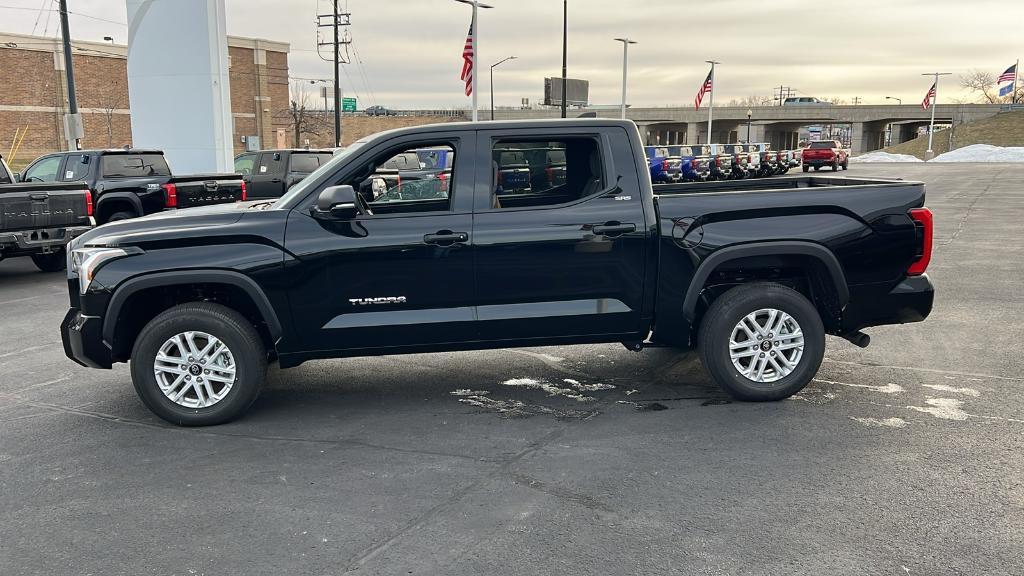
(543, 124)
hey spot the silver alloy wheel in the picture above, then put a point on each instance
(766, 345)
(194, 369)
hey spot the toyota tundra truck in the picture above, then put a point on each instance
(753, 274)
(824, 153)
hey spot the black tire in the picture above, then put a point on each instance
(835, 165)
(817, 168)
(52, 262)
(233, 330)
(120, 216)
(726, 312)
(846, 164)
(806, 167)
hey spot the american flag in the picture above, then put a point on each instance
(704, 89)
(929, 98)
(1009, 76)
(467, 62)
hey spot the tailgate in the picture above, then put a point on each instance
(819, 153)
(32, 207)
(206, 190)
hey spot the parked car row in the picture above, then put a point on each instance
(708, 162)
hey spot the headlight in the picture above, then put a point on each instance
(86, 261)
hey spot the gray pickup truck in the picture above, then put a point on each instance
(39, 219)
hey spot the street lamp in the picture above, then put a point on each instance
(476, 55)
(499, 62)
(749, 114)
(565, 50)
(625, 59)
(108, 39)
(898, 101)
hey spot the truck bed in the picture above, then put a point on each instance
(778, 183)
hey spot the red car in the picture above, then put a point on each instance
(826, 153)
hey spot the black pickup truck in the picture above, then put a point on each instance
(126, 183)
(754, 274)
(38, 220)
(269, 173)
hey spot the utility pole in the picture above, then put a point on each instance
(856, 100)
(72, 122)
(929, 153)
(781, 93)
(711, 97)
(336, 20)
(565, 50)
(625, 63)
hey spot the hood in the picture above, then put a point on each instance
(171, 225)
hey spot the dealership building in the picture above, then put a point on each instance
(33, 97)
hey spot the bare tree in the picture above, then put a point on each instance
(112, 98)
(982, 83)
(836, 100)
(753, 100)
(302, 118)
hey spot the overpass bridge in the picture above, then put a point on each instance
(779, 125)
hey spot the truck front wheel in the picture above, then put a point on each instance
(198, 364)
(761, 341)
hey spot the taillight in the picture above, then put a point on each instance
(718, 161)
(88, 203)
(550, 173)
(664, 165)
(694, 164)
(444, 182)
(170, 196)
(399, 185)
(245, 192)
(923, 224)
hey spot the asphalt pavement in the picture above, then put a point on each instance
(902, 458)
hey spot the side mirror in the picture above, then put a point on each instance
(338, 202)
(379, 187)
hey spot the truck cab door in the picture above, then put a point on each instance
(567, 260)
(401, 276)
(268, 175)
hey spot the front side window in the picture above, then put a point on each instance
(243, 164)
(44, 170)
(545, 173)
(398, 181)
(306, 163)
(134, 165)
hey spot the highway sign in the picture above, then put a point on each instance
(348, 104)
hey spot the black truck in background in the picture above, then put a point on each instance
(38, 220)
(270, 173)
(753, 274)
(127, 183)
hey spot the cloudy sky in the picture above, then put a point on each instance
(411, 49)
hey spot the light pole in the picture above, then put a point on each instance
(108, 39)
(476, 55)
(625, 66)
(565, 49)
(749, 114)
(898, 101)
(492, 80)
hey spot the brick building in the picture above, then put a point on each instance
(33, 95)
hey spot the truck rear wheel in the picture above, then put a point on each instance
(198, 364)
(806, 167)
(52, 262)
(761, 341)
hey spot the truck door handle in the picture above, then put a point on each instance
(446, 238)
(614, 229)
(276, 181)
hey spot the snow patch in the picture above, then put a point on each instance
(889, 388)
(517, 409)
(551, 389)
(879, 156)
(945, 408)
(468, 392)
(953, 389)
(983, 153)
(587, 387)
(881, 423)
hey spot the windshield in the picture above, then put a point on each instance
(301, 189)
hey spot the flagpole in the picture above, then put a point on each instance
(1016, 74)
(929, 153)
(476, 56)
(711, 98)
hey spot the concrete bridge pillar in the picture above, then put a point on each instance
(866, 136)
(693, 131)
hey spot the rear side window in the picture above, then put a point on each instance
(306, 163)
(243, 164)
(134, 165)
(76, 168)
(822, 144)
(544, 173)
